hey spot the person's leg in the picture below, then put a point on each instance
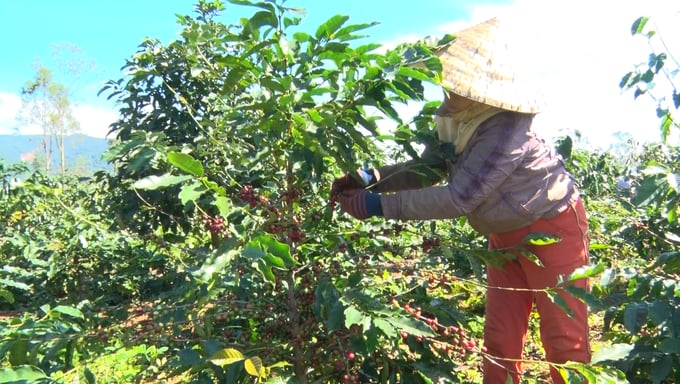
(564, 338)
(507, 317)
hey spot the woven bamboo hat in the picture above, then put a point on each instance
(479, 65)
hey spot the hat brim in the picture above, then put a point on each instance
(480, 66)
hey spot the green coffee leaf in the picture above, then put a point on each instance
(558, 300)
(191, 192)
(639, 25)
(21, 374)
(385, 326)
(530, 256)
(226, 357)
(223, 205)
(266, 270)
(659, 312)
(586, 272)
(14, 284)
(73, 312)
(7, 295)
(584, 295)
(411, 326)
(186, 163)
(611, 352)
(89, 376)
(413, 73)
(541, 239)
(634, 316)
(353, 316)
(155, 182)
(254, 367)
(661, 367)
(189, 357)
(327, 29)
(671, 345)
(18, 352)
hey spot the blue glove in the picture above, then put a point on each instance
(362, 178)
(361, 203)
(367, 176)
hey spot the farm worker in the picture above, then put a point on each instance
(508, 183)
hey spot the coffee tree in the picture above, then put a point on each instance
(634, 226)
(247, 98)
(214, 253)
(661, 67)
(229, 140)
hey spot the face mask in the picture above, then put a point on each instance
(447, 128)
(458, 128)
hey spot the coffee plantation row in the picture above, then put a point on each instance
(213, 253)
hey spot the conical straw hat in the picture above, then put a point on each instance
(479, 65)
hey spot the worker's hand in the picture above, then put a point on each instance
(355, 180)
(360, 203)
(346, 182)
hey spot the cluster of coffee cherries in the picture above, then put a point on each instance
(248, 195)
(334, 347)
(451, 341)
(275, 223)
(429, 243)
(435, 281)
(216, 225)
(291, 228)
(295, 234)
(349, 377)
(291, 195)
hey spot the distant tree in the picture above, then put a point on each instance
(38, 162)
(46, 104)
(62, 121)
(35, 110)
(82, 166)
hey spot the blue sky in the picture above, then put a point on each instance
(109, 32)
(584, 48)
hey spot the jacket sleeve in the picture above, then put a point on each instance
(426, 171)
(493, 154)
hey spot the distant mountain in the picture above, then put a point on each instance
(83, 153)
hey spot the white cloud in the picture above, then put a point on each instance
(9, 106)
(94, 120)
(583, 49)
(388, 45)
(579, 50)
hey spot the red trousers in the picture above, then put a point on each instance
(564, 338)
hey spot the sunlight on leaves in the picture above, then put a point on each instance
(226, 357)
